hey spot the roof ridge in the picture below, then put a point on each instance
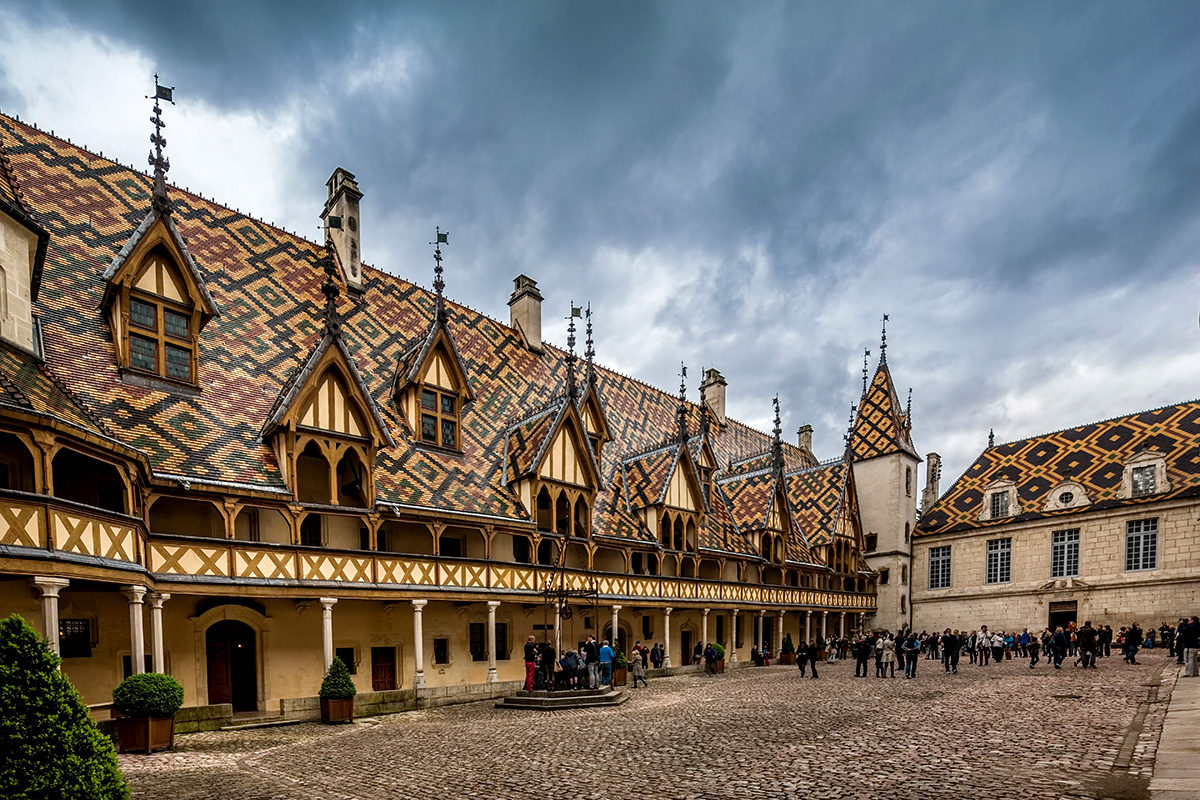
(1086, 424)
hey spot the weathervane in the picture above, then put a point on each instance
(159, 201)
(850, 427)
(777, 440)
(572, 390)
(438, 284)
(866, 355)
(883, 340)
(681, 411)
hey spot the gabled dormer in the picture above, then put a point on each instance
(324, 426)
(550, 468)
(431, 386)
(326, 430)
(431, 390)
(670, 498)
(154, 294)
(157, 303)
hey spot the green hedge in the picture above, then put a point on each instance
(337, 684)
(150, 694)
(50, 748)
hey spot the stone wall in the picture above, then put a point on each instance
(1104, 592)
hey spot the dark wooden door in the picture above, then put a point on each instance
(232, 665)
(383, 669)
(685, 642)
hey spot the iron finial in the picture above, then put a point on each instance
(572, 389)
(681, 411)
(883, 340)
(439, 285)
(866, 355)
(159, 199)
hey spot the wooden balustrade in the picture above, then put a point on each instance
(51, 524)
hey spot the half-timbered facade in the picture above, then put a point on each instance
(233, 454)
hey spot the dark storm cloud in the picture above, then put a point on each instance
(991, 174)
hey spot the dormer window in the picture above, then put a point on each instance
(1145, 475)
(999, 501)
(1143, 481)
(439, 417)
(160, 337)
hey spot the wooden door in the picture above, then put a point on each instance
(220, 678)
(232, 665)
(383, 669)
(685, 641)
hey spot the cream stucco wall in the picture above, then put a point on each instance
(17, 250)
(886, 505)
(1104, 591)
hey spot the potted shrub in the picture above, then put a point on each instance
(720, 657)
(146, 706)
(337, 694)
(787, 651)
(820, 648)
(620, 671)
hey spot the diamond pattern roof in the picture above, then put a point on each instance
(1092, 455)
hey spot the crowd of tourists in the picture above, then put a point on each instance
(1084, 645)
(590, 666)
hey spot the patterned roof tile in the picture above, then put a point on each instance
(879, 426)
(1092, 455)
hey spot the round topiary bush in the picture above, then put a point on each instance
(51, 748)
(788, 646)
(720, 648)
(337, 684)
(150, 694)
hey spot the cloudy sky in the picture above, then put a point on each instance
(749, 186)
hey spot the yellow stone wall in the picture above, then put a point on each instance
(1105, 592)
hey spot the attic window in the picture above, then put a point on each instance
(439, 417)
(1143, 480)
(161, 334)
(999, 502)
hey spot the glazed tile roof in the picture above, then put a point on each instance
(880, 427)
(817, 496)
(1092, 455)
(527, 440)
(647, 475)
(32, 386)
(267, 284)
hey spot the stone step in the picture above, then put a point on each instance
(554, 701)
(260, 722)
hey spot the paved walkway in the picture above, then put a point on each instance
(999, 731)
(1177, 764)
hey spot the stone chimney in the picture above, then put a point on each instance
(341, 225)
(933, 477)
(525, 307)
(712, 394)
(804, 440)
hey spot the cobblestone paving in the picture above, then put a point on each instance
(997, 731)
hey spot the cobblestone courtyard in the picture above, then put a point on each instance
(998, 731)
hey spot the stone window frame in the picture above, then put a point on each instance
(995, 551)
(1142, 531)
(939, 567)
(1000, 486)
(1141, 459)
(1061, 541)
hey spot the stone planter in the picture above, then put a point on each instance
(720, 666)
(620, 676)
(820, 655)
(145, 734)
(337, 710)
(787, 659)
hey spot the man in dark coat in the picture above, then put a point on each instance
(951, 644)
(1133, 641)
(1087, 640)
(591, 657)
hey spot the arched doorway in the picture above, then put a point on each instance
(232, 665)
